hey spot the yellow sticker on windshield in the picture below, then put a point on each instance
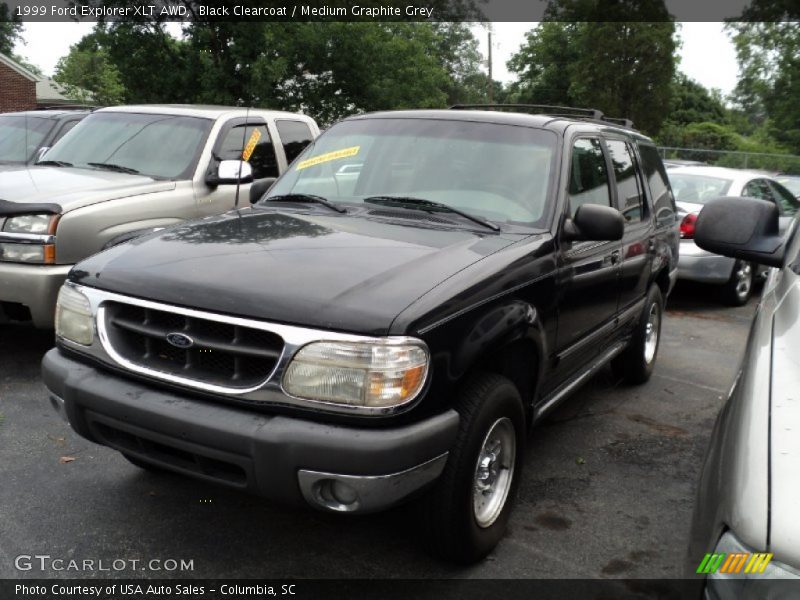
(327, 157)
(251, 145)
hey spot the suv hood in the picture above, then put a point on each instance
(71, 188)
(343, 273)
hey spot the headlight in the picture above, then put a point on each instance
(736, 571)
(74, 320)
(27, 253)
(368, 374)
(40, 224)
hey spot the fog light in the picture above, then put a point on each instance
(336, 495)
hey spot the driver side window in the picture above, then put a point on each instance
(588, 180)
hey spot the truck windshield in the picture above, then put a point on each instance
(500, 173)
(159, 146)
(21, 136)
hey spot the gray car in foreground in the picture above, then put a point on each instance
(746, 528)
(693, 187)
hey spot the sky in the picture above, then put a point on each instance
(707, 55)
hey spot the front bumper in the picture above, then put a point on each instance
(34, 286)
(283, 458)
(695, 264)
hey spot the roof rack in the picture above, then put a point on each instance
(89, 107)
(583, 114)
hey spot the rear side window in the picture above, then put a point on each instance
(263, 159)
(588, 179)
(758, 188)
(295, 136)
(663, 202)
(629, 191)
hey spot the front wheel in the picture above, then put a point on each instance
(467, 512)
(636, 362)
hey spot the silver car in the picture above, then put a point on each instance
(693, 187)
(746, 528)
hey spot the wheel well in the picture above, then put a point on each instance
(662, 281)
(519, 362)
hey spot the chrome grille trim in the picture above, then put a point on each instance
(269, 392)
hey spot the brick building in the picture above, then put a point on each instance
(17, 86)
(22, 90)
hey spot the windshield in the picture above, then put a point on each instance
(21, 136)
(160, 146)
(496, 172)
(697, 189)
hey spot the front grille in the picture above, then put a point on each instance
(222, 354)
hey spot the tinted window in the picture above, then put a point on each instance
(788, 202)
(65, 128)
(758, 188)
(157, 145)
(629, 191)
(588, 179)
(262, 159)
(20, 137)
(663, 202)
(295, 136)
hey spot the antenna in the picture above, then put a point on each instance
(241, 158)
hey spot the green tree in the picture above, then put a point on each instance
(769, 76)
(10, 30)
(620, 63)
(89, 76)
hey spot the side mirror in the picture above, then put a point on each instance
(228, 172)
(40, 154)
(261, 187)
(743, 228)
(593, 222)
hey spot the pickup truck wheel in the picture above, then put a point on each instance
(467, 512)
(636, 362)
(740, 286)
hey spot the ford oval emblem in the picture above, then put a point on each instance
(180, 340)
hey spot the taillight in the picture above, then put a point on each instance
(687, 226)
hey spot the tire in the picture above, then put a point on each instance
(635, 364)
(462, 524)
(740, 285)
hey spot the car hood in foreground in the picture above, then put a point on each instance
(335, 272)
(71, 187)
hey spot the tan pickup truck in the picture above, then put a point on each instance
(124, 171)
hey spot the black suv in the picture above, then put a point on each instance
(409, 298)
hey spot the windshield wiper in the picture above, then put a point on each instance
(113, 167)
(54, 163)
(427, 206)
(303, 198)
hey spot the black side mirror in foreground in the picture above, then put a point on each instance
(596, 223)
(743, 228)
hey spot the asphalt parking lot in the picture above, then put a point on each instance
(607, 490)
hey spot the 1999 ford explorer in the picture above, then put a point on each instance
(387, 322)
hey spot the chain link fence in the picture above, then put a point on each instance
(774, 163)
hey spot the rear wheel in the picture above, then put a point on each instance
(467, 512)
(636, 362)
(740, 286)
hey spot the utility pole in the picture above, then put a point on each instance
(489, 62)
